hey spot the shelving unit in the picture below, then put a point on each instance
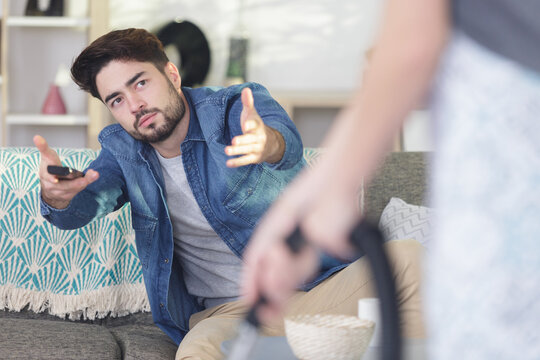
(33, 47)
(49, 21)
(40, 119)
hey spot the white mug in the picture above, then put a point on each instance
(369, 309)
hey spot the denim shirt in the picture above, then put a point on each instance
(231, 199)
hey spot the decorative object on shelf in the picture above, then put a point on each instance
(236, 68)
(56, 8)
(187, 47)
(238, 51)
(44, 7)
(32, 8)
(54, 104)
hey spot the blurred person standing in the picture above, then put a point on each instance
(481, 60)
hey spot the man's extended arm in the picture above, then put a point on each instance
(71, 204)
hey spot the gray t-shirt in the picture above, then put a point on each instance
(211, 269)
(508, 27)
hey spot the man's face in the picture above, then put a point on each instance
(142, 99)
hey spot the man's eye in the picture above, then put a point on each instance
(141, 83)
(116, 101)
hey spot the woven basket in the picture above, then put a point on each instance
(314, 337)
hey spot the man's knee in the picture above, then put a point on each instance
(199, 349)
(204, 340)
(405, 255)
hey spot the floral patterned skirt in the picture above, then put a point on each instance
(483, 268)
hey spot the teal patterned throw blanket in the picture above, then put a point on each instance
(86, 273)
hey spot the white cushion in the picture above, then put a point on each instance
(400, 220)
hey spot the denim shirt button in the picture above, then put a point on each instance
(166, 261)
(249, 191)
(161, 305)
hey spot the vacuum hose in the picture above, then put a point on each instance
(367, 237)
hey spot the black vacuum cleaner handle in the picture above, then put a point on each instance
(368, 238)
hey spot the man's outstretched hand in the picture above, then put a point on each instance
(55, 192)
(258, 143)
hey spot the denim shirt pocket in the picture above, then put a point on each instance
(252, 194)
(144, 227)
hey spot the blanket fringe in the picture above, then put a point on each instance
(114, 301)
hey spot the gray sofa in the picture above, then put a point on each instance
(27, 334)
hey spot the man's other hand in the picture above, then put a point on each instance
(55, 192)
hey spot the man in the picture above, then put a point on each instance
(194, 206)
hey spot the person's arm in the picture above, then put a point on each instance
(322, 199)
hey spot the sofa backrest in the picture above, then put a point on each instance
(403, 175)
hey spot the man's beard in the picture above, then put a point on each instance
(172, 115)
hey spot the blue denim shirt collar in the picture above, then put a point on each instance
(194, 132)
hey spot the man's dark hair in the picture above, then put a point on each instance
(124, 45)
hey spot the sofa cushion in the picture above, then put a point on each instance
(400, 220)
(45, 339)
(143, 342)
(135, 334)
(139, 338)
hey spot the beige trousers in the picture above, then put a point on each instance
(338, 294)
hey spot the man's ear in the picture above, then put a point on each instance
(173, 74)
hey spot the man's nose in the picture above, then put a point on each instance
(136, 104)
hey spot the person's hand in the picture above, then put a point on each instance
(325, 215)
(258, 143)
(55, 192)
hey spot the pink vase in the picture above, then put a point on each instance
(53, 103)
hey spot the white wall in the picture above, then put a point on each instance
(295, 46)
(417, 132)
